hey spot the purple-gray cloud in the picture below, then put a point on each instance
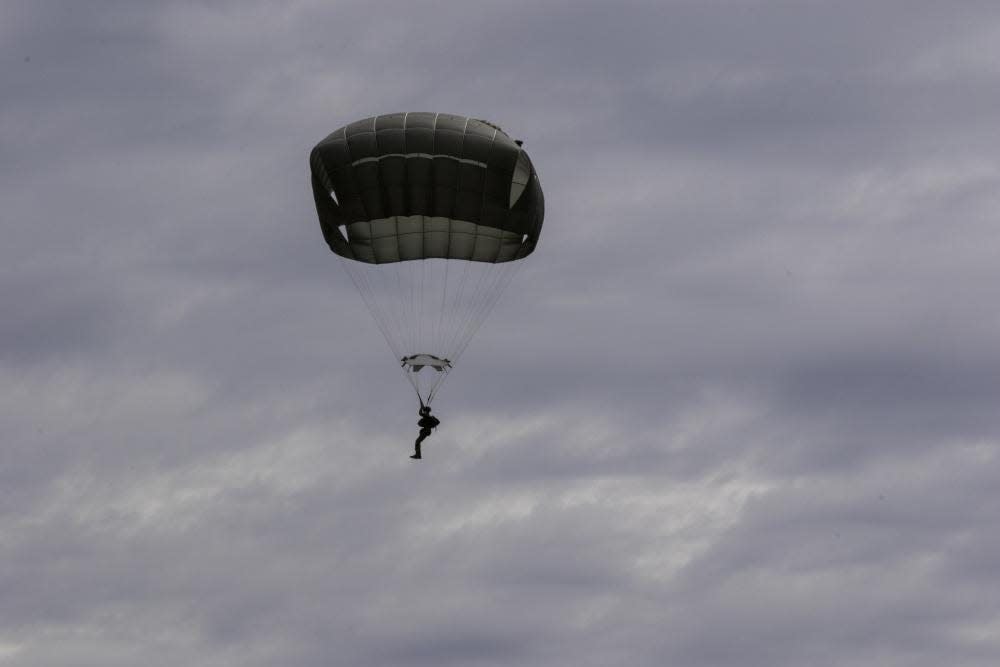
(738, 409)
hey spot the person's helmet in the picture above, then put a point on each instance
(424, 411)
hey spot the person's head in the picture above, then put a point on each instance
(424, 411)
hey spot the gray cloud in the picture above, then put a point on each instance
(736, 410)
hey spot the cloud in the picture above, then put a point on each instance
(736, 409)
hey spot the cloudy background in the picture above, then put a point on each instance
(740, 408)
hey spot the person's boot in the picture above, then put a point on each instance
(417, 454)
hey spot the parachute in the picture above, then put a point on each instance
(431, 214)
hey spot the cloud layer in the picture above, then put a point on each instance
(738, 409)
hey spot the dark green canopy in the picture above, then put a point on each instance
(433, 187)
(420, 185)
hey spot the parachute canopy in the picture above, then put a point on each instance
(429, 212)
(410, 186)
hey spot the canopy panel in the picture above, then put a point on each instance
(415, 185)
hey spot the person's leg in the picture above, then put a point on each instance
(416, 446)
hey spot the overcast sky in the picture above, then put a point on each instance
(740, 407)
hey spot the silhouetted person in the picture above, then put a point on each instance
(426, 424)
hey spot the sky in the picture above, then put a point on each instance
(739, 407)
